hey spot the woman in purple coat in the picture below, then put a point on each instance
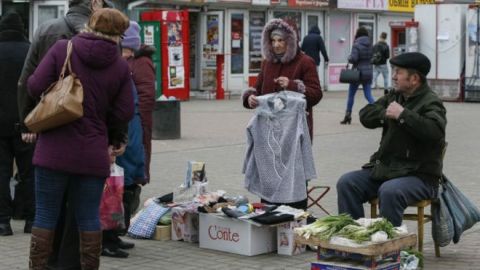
(360, 57)
(75, 156)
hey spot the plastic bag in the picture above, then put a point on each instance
(111, 205)
(463, 212)
(442, 223)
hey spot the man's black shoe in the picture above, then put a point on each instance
(5, 229)
(28, 226)
(125, 245)
(115, 253)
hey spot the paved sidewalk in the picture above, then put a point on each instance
(214, 132)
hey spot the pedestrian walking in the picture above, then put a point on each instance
(75, 156)
(13, 51)
(380, 55)
(360, 58)
(313, 45)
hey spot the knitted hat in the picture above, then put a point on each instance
(277, 32)
(131, 38)
(11, 21)
(412, 60)
(108, 21)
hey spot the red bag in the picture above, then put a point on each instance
(111, 205)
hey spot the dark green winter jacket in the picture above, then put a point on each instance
(412, 144)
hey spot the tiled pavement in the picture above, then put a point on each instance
(213, 131)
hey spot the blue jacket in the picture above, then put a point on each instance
(313, 45)
(133, 160)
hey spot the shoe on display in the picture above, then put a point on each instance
(5, 229)
(114, 252)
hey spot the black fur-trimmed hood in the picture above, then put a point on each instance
(145, 50)
(291, 40)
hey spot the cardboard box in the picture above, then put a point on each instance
(369, 261)
(351, 265)
(286, 244)
(236, 236)
(184, 225)
(163, 232)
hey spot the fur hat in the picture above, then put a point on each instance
(131, 38)
(290, 37)
(108, 21)
(412, 60)
(11, 21)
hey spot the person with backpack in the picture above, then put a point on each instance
(381, 53)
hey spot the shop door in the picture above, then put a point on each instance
(317, 19)
(211, 44)
(236, 50)
(46, 10)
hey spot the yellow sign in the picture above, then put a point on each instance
(406, 5)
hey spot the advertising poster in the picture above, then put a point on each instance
(209, 78)
(212, 46)
(175, 56)
(176, 77)
(148, 31)
(174, 34)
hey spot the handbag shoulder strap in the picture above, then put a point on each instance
(67, 60)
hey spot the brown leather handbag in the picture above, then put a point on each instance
(61, 103)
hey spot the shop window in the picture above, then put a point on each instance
(256, 23)
(237, 43)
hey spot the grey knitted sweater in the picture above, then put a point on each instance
(279, 157)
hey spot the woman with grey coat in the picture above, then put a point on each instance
(360, 58)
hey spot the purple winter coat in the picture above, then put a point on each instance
(361, 56)
(81, 147)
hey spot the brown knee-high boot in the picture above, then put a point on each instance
(90, 249)
(40, 248)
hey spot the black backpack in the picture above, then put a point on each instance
(377, 56)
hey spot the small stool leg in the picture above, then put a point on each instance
(420, 223)
(373, 210)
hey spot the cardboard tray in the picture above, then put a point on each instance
(370, 250)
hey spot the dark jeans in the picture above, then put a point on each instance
(84, 192)
(14, 148)
(355, 188)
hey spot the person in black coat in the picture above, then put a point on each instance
(313, 45)
(13, 51)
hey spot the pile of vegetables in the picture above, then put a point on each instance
(343, 225)
(324, 228)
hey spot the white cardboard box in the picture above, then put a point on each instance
(236, 236)
(286, 239)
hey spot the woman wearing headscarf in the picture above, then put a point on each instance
(75, 156)
(285, 67)
(360, 58)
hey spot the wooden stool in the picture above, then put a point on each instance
(314, 201)
(420, 217)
